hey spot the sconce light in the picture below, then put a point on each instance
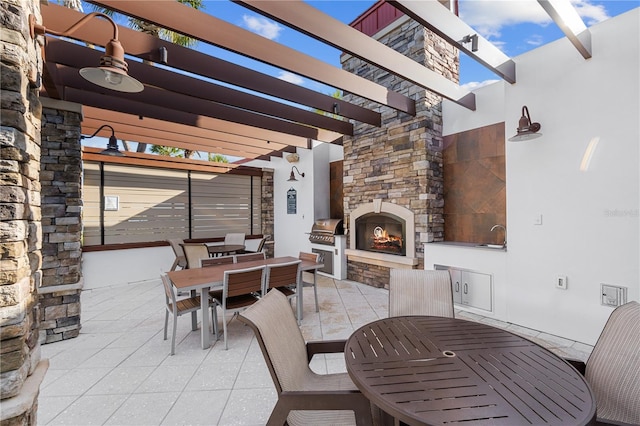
(112, 146)
(292, 177)
(471, 38)
(112, 72)
(526, 129)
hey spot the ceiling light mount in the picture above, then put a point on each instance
(112, 72)
(526, 129)
(112, 146)
(292, 177)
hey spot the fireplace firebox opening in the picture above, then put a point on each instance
(382, 233)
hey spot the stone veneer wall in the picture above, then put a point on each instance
(21, 369)
(401, 162)
(267, 210)
(61, 179)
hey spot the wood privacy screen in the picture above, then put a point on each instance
(154, 204)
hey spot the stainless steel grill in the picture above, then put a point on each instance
(324, 231)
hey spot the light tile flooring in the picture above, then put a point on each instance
(119, 372)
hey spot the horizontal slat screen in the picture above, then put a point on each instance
(153, 204)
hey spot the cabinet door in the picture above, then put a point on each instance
(456, 285)
(476, 290)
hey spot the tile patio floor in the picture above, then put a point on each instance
(118, 370)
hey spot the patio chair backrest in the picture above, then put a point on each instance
(420, 292)
(283, 345)
(284, 274)
(194, 252)
(220, 260)
(243, 281)
(314, 257)
(613, 368)
(247, 257)
(234, 238)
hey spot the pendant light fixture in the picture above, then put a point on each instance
(112, 72)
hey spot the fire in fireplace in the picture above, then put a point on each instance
(381, 232)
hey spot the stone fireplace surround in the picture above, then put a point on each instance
(384, 259)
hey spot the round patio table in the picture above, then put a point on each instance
(425, 370)
(224, 249)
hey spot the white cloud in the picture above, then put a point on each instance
(590, 13)
(291, 78)
(488, 17)
(535, 40)
(262, 26)
(473, 85)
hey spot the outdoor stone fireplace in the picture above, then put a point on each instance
(393, 175)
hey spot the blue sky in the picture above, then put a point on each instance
(514, 26)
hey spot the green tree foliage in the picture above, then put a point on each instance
(218, 158)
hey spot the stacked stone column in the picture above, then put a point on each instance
(400, 162)
(21, 370)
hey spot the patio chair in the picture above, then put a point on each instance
(178, 307)
(613, 368)
(259, 247)
(283, 276)
(234, 238)
(241, 289)
(180, 260)
(214, 261)
(314, 257)
(420, 292)
(248, 257)
(195, 252)
(304, 397)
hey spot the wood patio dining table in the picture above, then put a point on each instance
(424, 370)
(212, 277)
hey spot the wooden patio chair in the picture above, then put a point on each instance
(241, 289)
(313, 257)
(283, 276)
(178, 307)
(613, 368)
(304, 397)
(195, 252)
(420, 292)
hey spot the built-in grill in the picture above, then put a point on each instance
(325, 230)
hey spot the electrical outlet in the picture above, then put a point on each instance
(561, 282)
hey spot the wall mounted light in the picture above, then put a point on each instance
(112, 72)
(473, 39)
(112, 146)
(292, 177)
(526, 129)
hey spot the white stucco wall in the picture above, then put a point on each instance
(121, 267)
(589, 230)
